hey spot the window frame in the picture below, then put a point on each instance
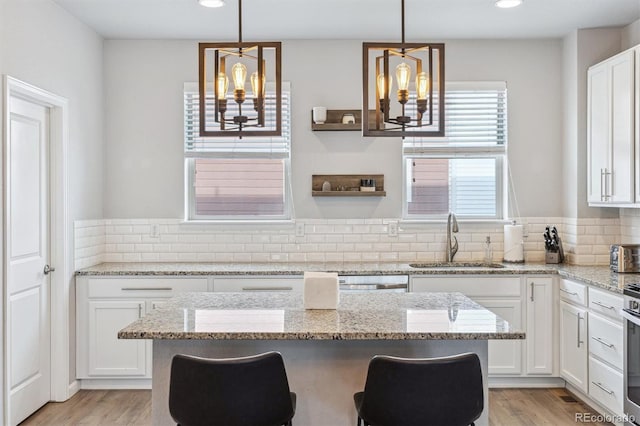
(440, 149)
(190, 215)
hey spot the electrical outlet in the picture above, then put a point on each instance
(299, 229)
(393, 229)
(155, 231)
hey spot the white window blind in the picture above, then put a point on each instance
(462, 172)
(254, 147)
(475, 117)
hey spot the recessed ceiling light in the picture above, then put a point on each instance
(211, 3)
(506, 4)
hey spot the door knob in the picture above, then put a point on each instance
(48, 269)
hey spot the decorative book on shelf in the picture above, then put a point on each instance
(348, 185)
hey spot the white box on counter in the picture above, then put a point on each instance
(321, 290)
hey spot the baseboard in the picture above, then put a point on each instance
(115, 384)
(74, 387)
(525, 382)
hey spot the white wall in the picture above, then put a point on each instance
(47, 47)
(144, 162)
(631, 35)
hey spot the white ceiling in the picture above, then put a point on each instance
(347, 19)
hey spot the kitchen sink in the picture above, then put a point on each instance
(456, 265)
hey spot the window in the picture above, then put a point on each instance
(464, 171)
(236, 179)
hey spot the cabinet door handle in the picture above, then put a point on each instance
(595, 302)
(139, 310)
(578, 322)
(267, 288)
(147, 289)
(598, 384)
(599, 340)
(532, 299)
(602, 185)
(568, 292)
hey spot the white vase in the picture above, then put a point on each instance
(319, 115)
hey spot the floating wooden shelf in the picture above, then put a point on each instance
(348, 193)
(334, 121)
(346, 186)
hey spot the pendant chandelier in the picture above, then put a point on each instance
(416, 109)
(236, 112)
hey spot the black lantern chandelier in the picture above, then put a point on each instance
(237, 113)
(418, 107)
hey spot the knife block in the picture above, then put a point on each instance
(552, 256)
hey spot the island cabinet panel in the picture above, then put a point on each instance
(104, 305)
(501, 295)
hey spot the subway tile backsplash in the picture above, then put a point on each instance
(586, 241)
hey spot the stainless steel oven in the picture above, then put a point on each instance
(631, 315)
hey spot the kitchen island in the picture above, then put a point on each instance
(326, 352)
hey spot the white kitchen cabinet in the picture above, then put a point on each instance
(254, 283)
(611, 131)
(105, 305)
(501, 295)
(107, 355)
(505, 356)
(573, 345)
(540, 332)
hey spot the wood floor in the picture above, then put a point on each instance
(508, 407)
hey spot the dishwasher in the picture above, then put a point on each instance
(374, 283)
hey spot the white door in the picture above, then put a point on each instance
(27, 250)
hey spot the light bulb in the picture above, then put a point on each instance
(254, 84)
(223, 84)
(381, 86)
(239, 73)
(403, 74)
(422, 85)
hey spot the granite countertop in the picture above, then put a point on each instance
(598, 276)
(281, 316)
(283, 268)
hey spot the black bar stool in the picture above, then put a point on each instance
(247, 391)
(443, 391)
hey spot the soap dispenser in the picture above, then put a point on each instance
(488, 251)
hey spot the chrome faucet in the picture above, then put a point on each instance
(452, 227)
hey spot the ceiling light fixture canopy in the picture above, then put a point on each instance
(211, 3)
(506, 4)
(225, 113)
(417, 109)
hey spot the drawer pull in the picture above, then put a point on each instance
(147, 289)
(598, 384)
(599, 340)
(568, 292)
(267, 288)
(595, 302)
